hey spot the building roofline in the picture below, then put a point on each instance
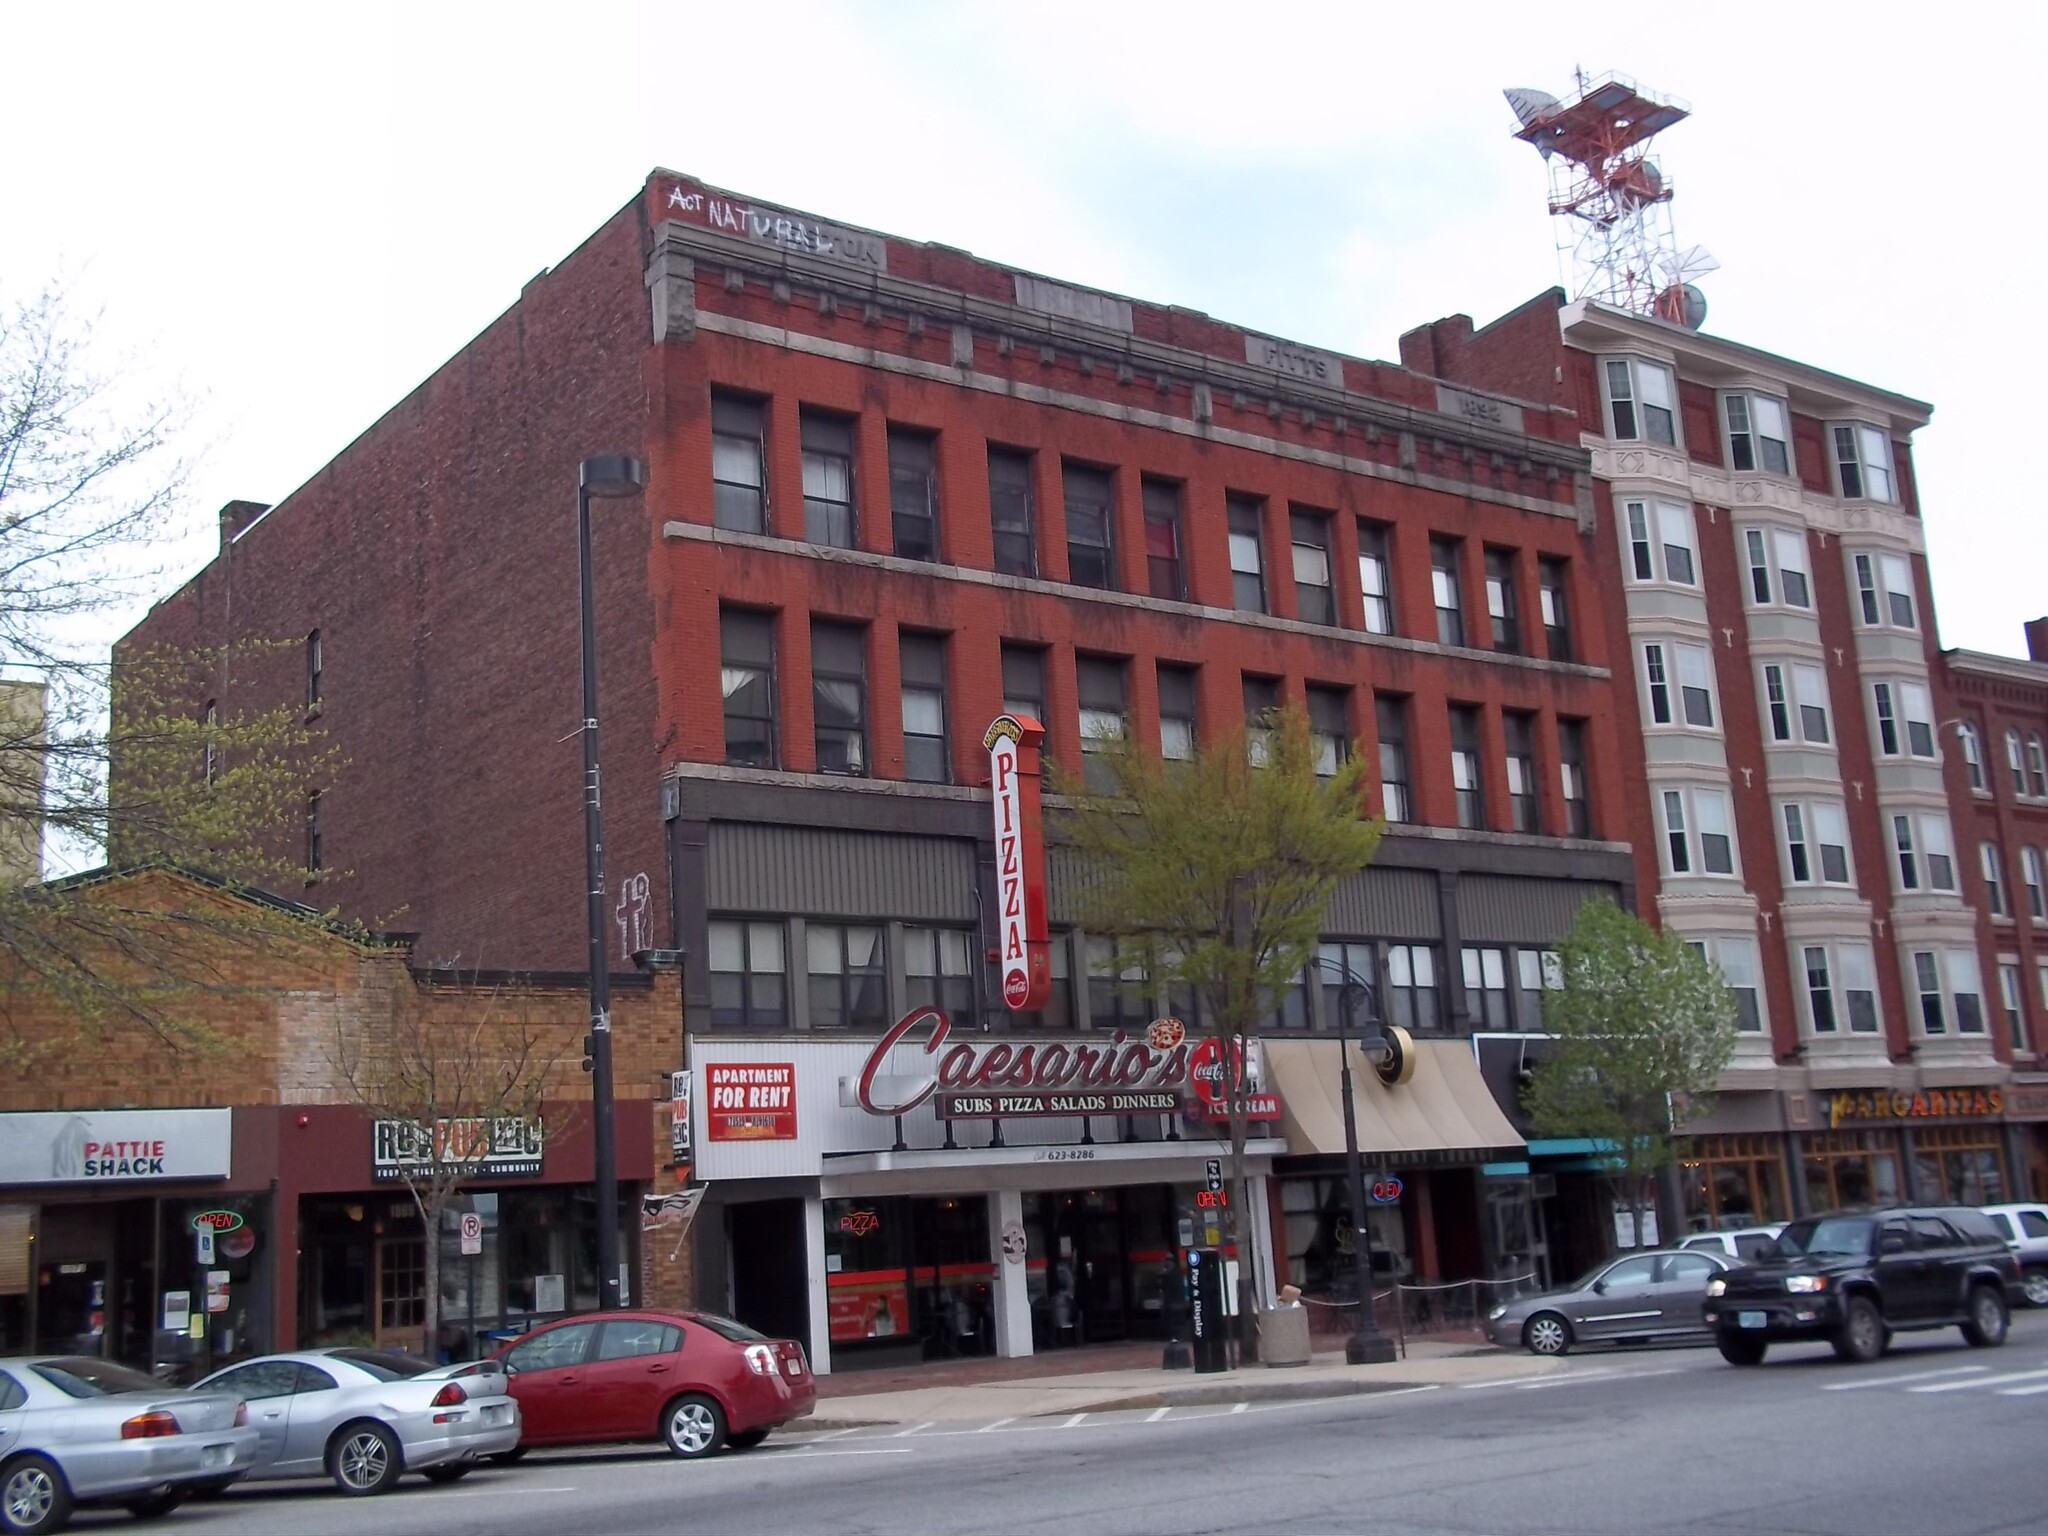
(2013, 668)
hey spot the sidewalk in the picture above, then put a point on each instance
(849, 1400)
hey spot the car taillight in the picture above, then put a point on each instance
(761, 1359)
(149, 1426)
(449, 1396)
(241, 1415)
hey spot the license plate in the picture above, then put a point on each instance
(1751, 1320)
(496, 1413)
(215, 1455)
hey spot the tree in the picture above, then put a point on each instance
(1641, 1023)
(452, 1089)
(1220, 868)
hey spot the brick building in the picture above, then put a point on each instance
(117, 1131)
(2001, 725)
(1804, 815)
(893, 491)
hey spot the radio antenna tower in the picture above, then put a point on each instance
(1611, 202)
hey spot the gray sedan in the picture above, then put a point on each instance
(365, 1416)
(1640, 1298)
(76, 1430)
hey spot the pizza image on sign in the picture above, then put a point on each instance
(750, 1101)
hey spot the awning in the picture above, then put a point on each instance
(1444, 1107)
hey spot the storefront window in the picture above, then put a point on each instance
(1732, 1181)
(1850, 1169)
(909, 1272)
(1321, 1245)
(1962, 1165)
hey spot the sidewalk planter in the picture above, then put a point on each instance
(1283, 1336)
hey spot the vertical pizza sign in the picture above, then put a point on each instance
(1020, 862)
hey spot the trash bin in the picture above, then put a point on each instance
(1283, 1335)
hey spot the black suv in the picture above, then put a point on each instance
(1855, 1278)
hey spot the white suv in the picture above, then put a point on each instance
(1744, 1245)
(2025, 1230)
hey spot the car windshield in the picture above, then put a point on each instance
(86, 1377)
(1844, 1235)
(726, 1328)
(384, 1364)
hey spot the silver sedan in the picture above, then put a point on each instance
(364, 1417)
(80, 1431)
(1640, 1298)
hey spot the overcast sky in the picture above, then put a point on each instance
(297, 213)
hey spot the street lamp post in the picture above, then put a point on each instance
(612, 474)
(1368, 1343)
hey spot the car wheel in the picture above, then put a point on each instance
(2035, 1284)
(363, 1459)
(1546, 1334)
(447, 1472)
(746, 1439)
(1863, 1335)
(693, 1426)
(156, 1505)
(33, 1496)
(1741, 1348)
(1988, 1318)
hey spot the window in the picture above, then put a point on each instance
(746, 678)
(938, 973)
(739, 488)
(402, 1283)
(1261, 706)
(1657, 677)
(1162, 541)
(1859, 986)
(1902, 845)
(637, 1340)
(925, 755)
(1412, 986)
(749, 982)
(1337, 964)
(1390, 717)
(1931, 830)
(314, 662)
(827, 443)
(1537, 971)
(2009, 1001)
(1375, 584)
(1887, 719)
(1486, 987)
(1808, 692)
(1119, 991)
(1103, 701)
(1557, 629)
(914, 493)
(1314, 602)
(1966, 987)
(1973, 755)
(1176, 713)
(2016, 762)
(1759, 434)
(1696, 694)
(1708, 824)
(1863, 463)
(1247, 554)
(1736, 956)
(839, 697)
(1501, 611)
(1641, 400)
(1777, 703)
(1816, 842)
(1660, 542)
(1820, 992)
(1793, 578)
(1009, 512)
(1024, 682)
(1884, 590)
(1448, 590)
(1759, 565)
(315, 856)
(1465, 774)
(553, 1350)
(2030, 876)
(1571, 757)
(1518, 730)
(848, 986)
(2037, 766)
(1994, 882)
(1091, 552)
(1905, 714)
(1329, 728)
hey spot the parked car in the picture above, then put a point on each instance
(83, 1432)
(2025, 1229)
(1855, 1279)
(1745, 1245)
(692, 1380)
(1639, 1298)
(364, 1417)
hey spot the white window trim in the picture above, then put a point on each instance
(1666, 524)
(1749, 397)
(1692, 831)
(1863, 463)
(1812, 841)
(1636, 363)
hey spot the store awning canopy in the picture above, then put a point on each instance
(1444, 1107)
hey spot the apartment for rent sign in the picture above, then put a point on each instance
(750, 1101)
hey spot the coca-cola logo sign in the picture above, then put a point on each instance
(1112, 1063)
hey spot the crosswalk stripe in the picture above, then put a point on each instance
(904, 1434)
(2035, 1391)
(1893, 1381)
(1982, 1381)
(1156, 1415)
(996, 1424)
(1076, 1419)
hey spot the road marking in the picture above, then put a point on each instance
(880, 1450)
(1893, 1381)
(904, 1434)
(834, 1434)
(1157, 1414)
(1076, 1419)
(996, 1424)
(2023, 1391)
(1986, 1381)
(496, 1493)
(1564, 1379)
(1239, 1407)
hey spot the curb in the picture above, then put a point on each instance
(1244, 1392)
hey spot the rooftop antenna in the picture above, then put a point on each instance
(1611, 202)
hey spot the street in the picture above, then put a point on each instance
(1935, 1440)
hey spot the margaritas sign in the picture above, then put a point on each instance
(1020, 862)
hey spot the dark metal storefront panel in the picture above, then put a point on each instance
(754, 868)
(1504, 909)
(1387, 904)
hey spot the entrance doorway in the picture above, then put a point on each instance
(1098, 1262)
(770, 1289)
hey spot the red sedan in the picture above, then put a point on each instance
(695, 1381)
